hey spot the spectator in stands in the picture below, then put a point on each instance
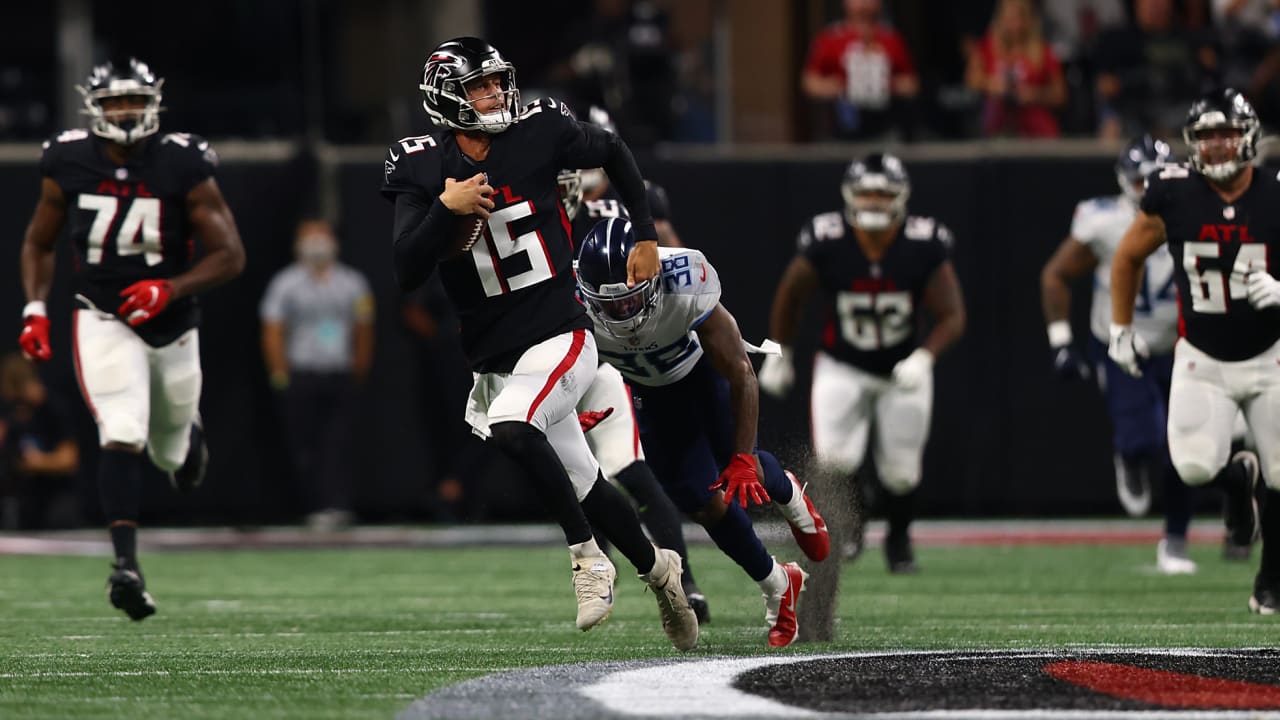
(1072, 28)
(1018, 74)
(862, 68)
(317, 339)
(38, 452)
(1247, 32)
(1150, 71)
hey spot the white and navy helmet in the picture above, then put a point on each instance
(1139, 159)
(452, 65)
(1225, 109)
(122, 126)
(602, 280)
(875, 173)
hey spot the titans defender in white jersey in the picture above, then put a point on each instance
(1137, 406)
(605, 410)
(697, 404)
(1218, 217)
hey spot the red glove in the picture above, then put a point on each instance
(34, 339)
(144, 300)
(592, 418)
(742, 478)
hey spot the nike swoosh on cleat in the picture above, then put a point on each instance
(608, 598)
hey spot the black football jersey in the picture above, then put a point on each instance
(1215, 244)
(590, 212)
(515, 287)
(659, 205)
(870, 308)
(129, 222)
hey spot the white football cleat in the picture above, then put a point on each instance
(593, 584)
(679, 621)
(1171, 558)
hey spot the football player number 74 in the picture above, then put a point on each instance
(139, 232)
(1208, 294)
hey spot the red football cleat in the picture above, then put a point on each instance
(785, 626)
(807, 526)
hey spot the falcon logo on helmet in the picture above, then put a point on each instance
(450, 68)
(1222, 131)
(123, 125)
(875, 190)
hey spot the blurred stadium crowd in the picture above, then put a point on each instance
(671, 71)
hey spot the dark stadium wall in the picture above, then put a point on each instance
(1007, 438)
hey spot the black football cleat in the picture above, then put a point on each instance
(698, 602)
(898, 555)
(1240, 504)
(1265, 599)
(191, 475)
(128, 592)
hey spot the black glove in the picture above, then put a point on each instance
(1069, 366)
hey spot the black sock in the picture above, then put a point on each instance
(657, 512)
(1178, 506)
(120, 487)
(1269, 570)
(610, 510)
(899, 512)
(1232, 480)
(528, 447)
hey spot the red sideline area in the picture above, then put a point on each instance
(925, 533)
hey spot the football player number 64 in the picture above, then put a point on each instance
(1208, 295)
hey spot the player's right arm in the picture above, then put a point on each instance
(425, 230)
(39, 243)
(37, 261)
(799, 280)
(1073, 259)
(1144, 236)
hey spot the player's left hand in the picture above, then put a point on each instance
(1264, 290)
(591, 418)
(643, 263)
(914, 370)
(742, 478)
(144, 300)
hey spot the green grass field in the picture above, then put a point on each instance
(363, 633)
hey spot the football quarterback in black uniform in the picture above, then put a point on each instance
(478, 198)
(131, 202)
(1217, 213)
(606, 411)
(876, 268)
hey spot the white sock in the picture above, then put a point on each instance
(585, 550)
(797, 513)
(775, 583)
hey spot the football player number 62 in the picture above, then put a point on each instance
(1208, 295)
(871, 321)
(139, 232)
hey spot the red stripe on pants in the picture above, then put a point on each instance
(575, 349)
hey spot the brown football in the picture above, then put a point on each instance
(468, 230)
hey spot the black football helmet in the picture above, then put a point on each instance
(122, 126)
(569, 187)
(573, 184)
(451, 66)
(876, 173)
(602, 280)
(1225, 109)
(1141, 156)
